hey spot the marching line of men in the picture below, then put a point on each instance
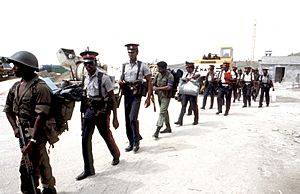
(135, 82)
(233, 83)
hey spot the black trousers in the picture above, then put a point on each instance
(102, 121)
(247, 94)
(224, 91)
(264, 90)
(132, 106)
(193, 104)
(234, 91)
(209, 90)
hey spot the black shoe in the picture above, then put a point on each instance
(129, 148)
(166, 130)
(189, 114)
(244, 106)
(267, 105)
(203, 108)
(178, 123)
(211, 107)
(115, 161)
(226, 113)
(50, 190)
(83, 175)
(136, 147)
(38, 191)
(249, 105)
(218, 112)
(195, 123)
(260, 106)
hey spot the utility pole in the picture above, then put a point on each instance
(253, 40)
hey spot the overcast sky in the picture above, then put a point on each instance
(170, 30)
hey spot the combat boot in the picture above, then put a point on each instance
(49, 190)
(155, 135)
(167, 129)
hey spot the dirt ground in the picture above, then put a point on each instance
(253, 150)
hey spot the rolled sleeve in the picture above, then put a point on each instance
(170, 80)
(8, 107)
(43, 100)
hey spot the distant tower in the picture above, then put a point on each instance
(253, 40)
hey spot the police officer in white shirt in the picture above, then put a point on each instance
(96, 108)
(247, 79)
(133, 73)
(265, 85)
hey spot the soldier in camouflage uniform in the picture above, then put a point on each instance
(162, 85)
(30, 109)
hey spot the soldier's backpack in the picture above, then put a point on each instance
(61, 110)
(177, 74)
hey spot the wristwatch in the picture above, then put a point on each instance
(33, 140)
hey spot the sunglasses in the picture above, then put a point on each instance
(88, 63)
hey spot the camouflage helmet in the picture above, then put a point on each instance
(25, 58)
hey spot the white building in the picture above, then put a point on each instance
(282, 68)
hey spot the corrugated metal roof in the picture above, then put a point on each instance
(280, 60)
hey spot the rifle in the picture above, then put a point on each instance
(119, 97)
(153, 101)
(22, 140)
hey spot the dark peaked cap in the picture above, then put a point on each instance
(132, 47)
(189, 64)
(89, 56)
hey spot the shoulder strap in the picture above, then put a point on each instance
(123, 71)
(155, 79)
(82, 81)
(138, 71)
(100, 75)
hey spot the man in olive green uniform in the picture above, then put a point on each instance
(28, 104)
(162, 85)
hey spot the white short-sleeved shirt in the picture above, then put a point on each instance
(233, 75)
(248, 78)
(211, 76)
(265, 79)
(190, 75)
(130, 71)
(91, 84)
